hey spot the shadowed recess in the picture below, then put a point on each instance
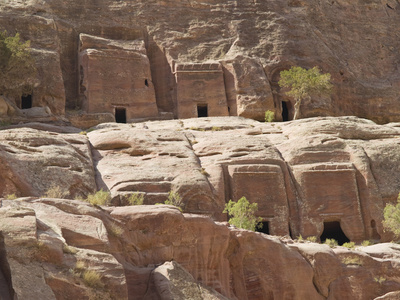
(332, 230)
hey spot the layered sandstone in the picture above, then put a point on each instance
(305, 175)
(250, 42)
(156, 252)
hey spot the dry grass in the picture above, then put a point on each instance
(354, 261)
(331, 243)
(312, 239)
(92, 279)
(135, 199)
(56, 191)
(11, 197)
(115, 230)
(99, 198)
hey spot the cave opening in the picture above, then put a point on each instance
(265, 227)
(26, 101)
(120, 115)
(146, 83)
(285, 112)
(202, 111)
(333, 230)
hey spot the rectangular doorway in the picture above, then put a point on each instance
(202, 110)
(120, 114)
(26, 101)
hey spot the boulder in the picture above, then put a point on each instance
(36, 162)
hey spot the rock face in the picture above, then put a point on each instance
(306, 176)
(115, 77)
(249, 41)
(156, 252)
(34, 162)
(323, 177)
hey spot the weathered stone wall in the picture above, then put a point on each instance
(355, 42)
(156, 252)
(116, 75)
(302, 174)
(200, 85)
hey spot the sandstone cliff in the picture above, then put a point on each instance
(305, 175)
(156, 252)
(227, 56)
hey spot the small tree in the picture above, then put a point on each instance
(391, 215)
(302, 83)
(17, 66)
(243, 214)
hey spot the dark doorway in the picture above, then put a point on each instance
(202, 111)
(146, 83)
(265, 228)
(120, 115)
(26, 101)
(332, 230)
(285, 112)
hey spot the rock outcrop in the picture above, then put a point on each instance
(224, 56)
(302, 174)
(156, 252)
(327, 177)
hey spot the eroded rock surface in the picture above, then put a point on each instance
(302, 174)
(249, 41)
(156, 252)
(35, 161)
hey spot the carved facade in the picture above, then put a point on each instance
(200, 90)
(115, 77)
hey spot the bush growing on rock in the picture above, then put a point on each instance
(174, 199)
(269, 116)
(243, 214)
(56, 191)
(391, 215)
(331, 243)
(99, 198)
(302, 83)
(135, 199)
(17, 66)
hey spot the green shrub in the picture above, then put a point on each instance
(174, 199)
(135, 199)
(243, 214)
(11, 196)
(349, 245)
(391, 215)
(99, 198)
(302, 83)
(17, 66)
(312, 239)
(331, 243)
(366, 243)
(269, 116)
